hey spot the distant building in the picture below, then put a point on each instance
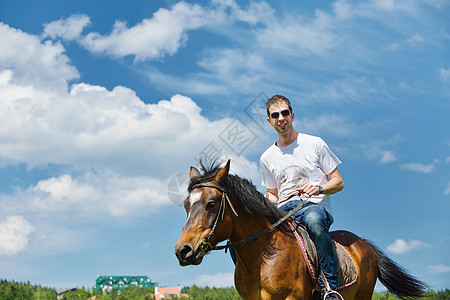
(169, 293)
(61, 292)
(106, 283)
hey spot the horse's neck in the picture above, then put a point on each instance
(247, 226)
(270, 263)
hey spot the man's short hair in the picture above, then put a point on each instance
(275, 100)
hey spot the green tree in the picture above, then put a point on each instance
(112, 294)
(136, 293)
(206, 293)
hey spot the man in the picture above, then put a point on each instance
(300, 163)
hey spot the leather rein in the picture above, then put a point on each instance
(205, 245)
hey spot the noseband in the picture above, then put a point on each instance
(205, 245)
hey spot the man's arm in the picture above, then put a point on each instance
(332, 186)
(272, 195)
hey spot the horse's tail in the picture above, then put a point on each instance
(396, 279)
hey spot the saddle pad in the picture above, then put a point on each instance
(347, 274)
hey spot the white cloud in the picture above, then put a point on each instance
(418, 167)
(194, 84)
(153, 38)
(94, 127)
(5, 77)
(384, 4)
(401, 246)
(415, 39)
(391, 5)
(439, 269)
(167, 31)
(255, 13)
(447, 190)
(296, 37)
(235, 68)
(348, 89)
(42, 65)
(341, 126)
(300, 35)
(216, 280)
(411, 42)
(388, 157)
(444, 74)
(342, 9)
(53, 238)
(94, 195)
(91, 127)
(91, 195)
(271, 41)
(119, 146)
(376, 8)
(224, 72)
(14, 235)
(67, 29)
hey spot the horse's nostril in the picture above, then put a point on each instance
(185, 252)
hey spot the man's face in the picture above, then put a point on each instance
(280, 118)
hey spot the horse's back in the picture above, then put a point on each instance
(344, 238)
(365, 260)
(358, 248)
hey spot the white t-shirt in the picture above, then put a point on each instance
(307, 160)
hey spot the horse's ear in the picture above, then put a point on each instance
(194, 173)
(221, 176)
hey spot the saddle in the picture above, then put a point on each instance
(347, 274)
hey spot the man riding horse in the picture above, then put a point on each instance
(271, 260)
(300, 164)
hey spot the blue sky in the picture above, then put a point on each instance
(104, 105)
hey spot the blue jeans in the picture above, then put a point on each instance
(318, 221)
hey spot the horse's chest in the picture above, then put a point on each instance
(272, 280)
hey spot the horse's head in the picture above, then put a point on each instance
(208, 222)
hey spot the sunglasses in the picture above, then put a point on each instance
(284, 113)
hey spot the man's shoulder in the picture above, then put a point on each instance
(269, 152)
(310, 139)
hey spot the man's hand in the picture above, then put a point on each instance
(332, 186)
(309, 189)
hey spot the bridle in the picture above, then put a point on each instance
(205, 245)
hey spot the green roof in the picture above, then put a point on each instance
(122, 282)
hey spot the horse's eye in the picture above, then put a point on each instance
(210, 205)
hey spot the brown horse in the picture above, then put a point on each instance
(270, 266)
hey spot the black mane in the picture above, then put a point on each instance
(243, 190)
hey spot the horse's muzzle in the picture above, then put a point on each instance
(187, 255)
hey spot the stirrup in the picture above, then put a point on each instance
(328, 289)
(332, 292)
